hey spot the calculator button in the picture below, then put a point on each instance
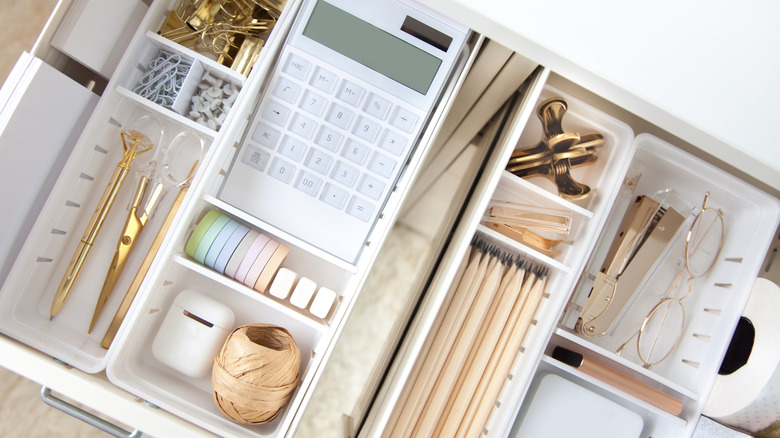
(324, 80)
(404, 119)
(392, 142)
(377, 106)
(287, 90)
(255, 157)
(350, 93)
(370, 187)
(313, 103)
(297, 67)
(382, 165)
(266, 135)
(276, 113)
(318, 161)
(334, 196)
(282, 170)
(366, 129)
(344, 174)
(339, 116)
(292, 148)
(303, 126)
(329, 139)
(308, 183)
(360, 208)
(355, 152)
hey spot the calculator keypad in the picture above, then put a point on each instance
(330, 137)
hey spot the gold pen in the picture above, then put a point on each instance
(98, 217)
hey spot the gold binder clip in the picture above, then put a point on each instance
(558, 152)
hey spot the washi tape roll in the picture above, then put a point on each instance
(219, 242)
(230, 246)
(208, 238)
(246, 264)
(238, 255)
(200, 231)
(260, 262)
(270, 268)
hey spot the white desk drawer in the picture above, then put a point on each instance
(128, 366)
(690, 371)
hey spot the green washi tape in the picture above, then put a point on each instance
(208, 238)
(200, 231)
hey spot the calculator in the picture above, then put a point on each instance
(347, 100)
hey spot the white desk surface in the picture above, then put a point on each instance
(706, 71)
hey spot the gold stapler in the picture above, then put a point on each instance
(646, 230)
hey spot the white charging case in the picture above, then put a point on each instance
(193, 331)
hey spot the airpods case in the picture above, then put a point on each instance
(192, 333)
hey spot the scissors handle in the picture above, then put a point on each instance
(133, 226)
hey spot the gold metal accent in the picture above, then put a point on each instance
(108, 338)
(558, 152)
(133, 144)
(231, 31)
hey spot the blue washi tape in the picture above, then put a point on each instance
(208, 238)
(219, 243)
(230, 247)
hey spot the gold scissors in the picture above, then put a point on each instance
(165, 173)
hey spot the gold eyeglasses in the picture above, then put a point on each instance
(662, 328)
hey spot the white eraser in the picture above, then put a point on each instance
(282, 284)
(322, 303)
(303, 292)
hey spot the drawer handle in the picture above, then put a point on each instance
(85, 416)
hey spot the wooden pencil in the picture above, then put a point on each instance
(467, 332)
(479, 355)
(507, 357)
(407, 388)
(435, 356)
(503, 338)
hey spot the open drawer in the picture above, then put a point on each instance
(130, 369)
(631, 163)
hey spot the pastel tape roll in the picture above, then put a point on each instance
(747, 398)
(208, 238)
(251, 255)
(270, 268)
(260, 262)
(230, 246)
(240, 252)
(200, 231)
(219, 243)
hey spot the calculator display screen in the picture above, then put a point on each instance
(371, 46)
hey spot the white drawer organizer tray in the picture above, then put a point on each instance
(712, 310)
(129, 364)
(28, 290)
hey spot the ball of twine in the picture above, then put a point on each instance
(255, 373)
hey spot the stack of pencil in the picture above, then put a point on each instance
(456, 382)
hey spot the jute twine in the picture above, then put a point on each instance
(255, 373)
